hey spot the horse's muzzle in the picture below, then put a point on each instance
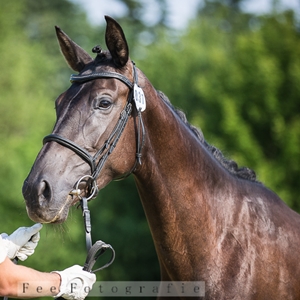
(41, 205)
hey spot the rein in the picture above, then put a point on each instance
(94, 251)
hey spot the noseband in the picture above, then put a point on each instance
(102, 154)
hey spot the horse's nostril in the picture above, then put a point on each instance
(44, 192)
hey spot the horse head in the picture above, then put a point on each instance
(95, 129)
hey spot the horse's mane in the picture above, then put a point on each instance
(230, 165)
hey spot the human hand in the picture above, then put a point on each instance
(75, 283)
(22, 242)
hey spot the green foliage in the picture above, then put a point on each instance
(235, 75)
(25, 111)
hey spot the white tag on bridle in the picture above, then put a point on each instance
(139, 98)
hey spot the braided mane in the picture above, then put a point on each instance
(230, 165)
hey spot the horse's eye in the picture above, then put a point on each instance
(103, 104)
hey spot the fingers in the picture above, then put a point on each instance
(28, 248)
(24, 240)
(34, 229)
(35, 238)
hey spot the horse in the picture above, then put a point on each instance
(210, 220)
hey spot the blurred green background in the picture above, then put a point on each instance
(236, 75)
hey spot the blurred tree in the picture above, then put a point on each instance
(21, 91)
(136, 23)
(136, 11)
(235, 75)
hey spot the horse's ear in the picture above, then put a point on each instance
(116, 42)
(75, 56)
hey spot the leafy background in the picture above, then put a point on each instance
(236, 75)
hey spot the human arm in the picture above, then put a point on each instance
(18, 281)
(22, 282)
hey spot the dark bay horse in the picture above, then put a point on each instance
(210, 220)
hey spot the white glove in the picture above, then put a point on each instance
(75, 283)
(22, 242)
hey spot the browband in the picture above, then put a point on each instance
(92, 76)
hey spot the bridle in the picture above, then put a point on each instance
(97, 161)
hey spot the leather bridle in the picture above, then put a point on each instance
(97, 161)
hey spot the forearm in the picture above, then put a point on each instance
(23, 282)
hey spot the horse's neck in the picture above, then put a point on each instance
(175, 183)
